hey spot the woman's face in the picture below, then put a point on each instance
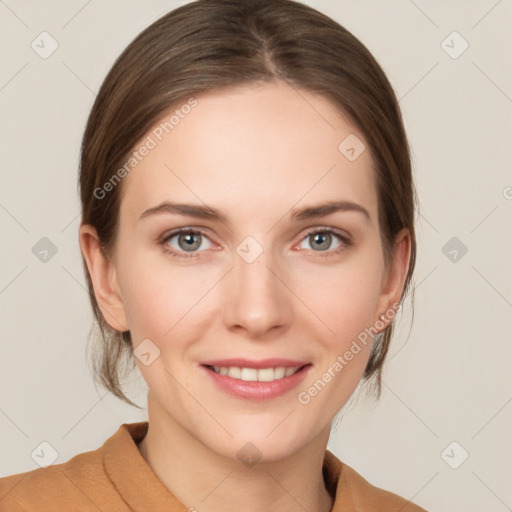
(254, 284)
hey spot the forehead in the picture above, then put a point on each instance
(251, 149)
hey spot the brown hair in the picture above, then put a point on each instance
(210, 44)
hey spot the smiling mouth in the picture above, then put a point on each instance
(256, 374)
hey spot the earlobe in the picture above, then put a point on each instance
(395, 277)
(104, 279)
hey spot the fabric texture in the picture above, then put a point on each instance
(116, 478)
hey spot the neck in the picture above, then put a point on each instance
(204, 480)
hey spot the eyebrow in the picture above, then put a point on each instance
(324, 209)
(209, 213)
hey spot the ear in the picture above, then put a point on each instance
(394, 278)
(104, 279)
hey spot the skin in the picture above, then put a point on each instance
(254, 153)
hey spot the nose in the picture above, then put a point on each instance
(257, 299)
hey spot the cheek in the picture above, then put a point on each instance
(346, 305)
(343, 298)
(160, 296)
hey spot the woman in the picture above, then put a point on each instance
(247, 236)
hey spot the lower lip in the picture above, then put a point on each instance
(258, 390)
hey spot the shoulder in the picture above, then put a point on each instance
(73, 485)
(369, 497)
(355, 493)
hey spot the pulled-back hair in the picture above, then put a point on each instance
(213, 44)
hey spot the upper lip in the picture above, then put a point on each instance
(262, 363)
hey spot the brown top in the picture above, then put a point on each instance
(116, 478)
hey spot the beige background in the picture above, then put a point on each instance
(449, 380)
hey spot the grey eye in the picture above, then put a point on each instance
(188, 241)
(321, 241)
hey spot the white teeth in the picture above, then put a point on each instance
(249, 374)
(288, 371)
(254, 374)
(234, 372)
(279, 372)
(266, 375)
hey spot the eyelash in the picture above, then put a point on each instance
(346, 242)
